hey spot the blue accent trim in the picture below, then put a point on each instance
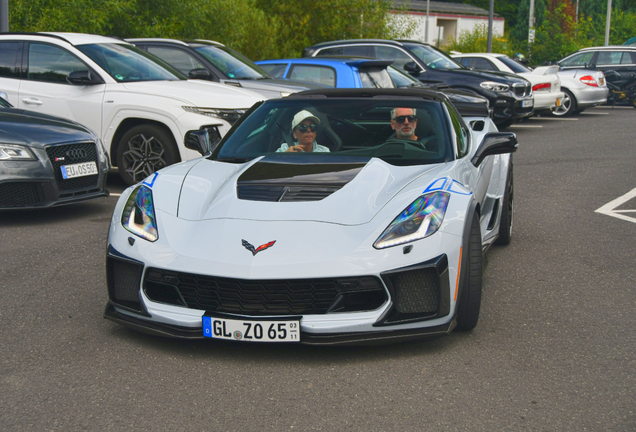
(154, 177)
(450, 188)
(64, 174)
(447, 184)
(432, 187)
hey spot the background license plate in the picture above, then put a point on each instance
(79, 170)
(251, 330)
(527, 103)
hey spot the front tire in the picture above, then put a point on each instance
(568, 105)
(470, 299)
(143, 150)
(507, 211)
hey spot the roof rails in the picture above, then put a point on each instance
(133, 40)
(56, 36)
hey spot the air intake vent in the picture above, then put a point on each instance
(21, 194)
(123, 278)
(284, 193)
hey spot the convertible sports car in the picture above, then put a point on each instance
(47, 161)
(369, 238)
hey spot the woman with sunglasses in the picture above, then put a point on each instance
(404, 122)
(304, 128)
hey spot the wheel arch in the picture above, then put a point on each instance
(130, 123)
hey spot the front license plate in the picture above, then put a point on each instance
(527, 103)
(251, 330)
(79, 170)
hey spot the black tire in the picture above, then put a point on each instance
(568, 105)
(507, 211)
(470, 299)
(144, 149)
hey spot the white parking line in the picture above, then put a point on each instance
(115, 194)
(525, 126)
(594, 113)
(554, 118)
(608, 209)
(611, 107)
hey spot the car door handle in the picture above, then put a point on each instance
(32, 101)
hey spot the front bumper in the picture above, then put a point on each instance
(349, 338)
(403, 304)
(507, 108)
(40, 184)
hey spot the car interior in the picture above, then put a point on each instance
(346, 128)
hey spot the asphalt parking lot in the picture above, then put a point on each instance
(554, 350)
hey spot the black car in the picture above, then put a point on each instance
(509, 96)
(47, 161)
(213, 61)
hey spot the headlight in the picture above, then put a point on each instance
(495, 86)
(229, 115)
(419, 220)
(139, 214)
(13, 152)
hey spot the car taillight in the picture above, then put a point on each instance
(589, 80)
(542, 86)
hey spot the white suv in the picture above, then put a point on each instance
(140, 107)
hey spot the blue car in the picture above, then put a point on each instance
(338, 73)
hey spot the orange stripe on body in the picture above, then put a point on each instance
(459, 266)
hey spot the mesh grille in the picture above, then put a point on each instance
(417, 291)
(123, 282)
(69, 154)
(266, 297)
(21, 194)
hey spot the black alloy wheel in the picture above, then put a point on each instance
(469, 301)
(568, 105)
(143, 150)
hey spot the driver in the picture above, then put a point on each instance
(404, 122)
(304, 127)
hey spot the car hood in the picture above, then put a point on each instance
(504, 77)
(197, 93)
(271, 88)
(275, 189)
(18, 126)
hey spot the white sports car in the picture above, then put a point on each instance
(375, 232)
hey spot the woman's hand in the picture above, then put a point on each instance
(296, 148)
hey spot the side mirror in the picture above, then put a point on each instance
(495, 143)
(84, 77)
(412, 68)
(202, 74)
(203, 141)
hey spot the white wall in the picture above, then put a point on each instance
(462, 24)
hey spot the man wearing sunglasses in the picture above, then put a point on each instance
(304, 128)
(404, 122)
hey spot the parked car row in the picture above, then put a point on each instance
(140, 96)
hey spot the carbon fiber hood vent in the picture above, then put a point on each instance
(285, 182)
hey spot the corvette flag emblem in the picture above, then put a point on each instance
(254, 251)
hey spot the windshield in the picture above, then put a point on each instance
(126, 63)
(433, 58)
(342, 128)
(514, 66)
(231, 63)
